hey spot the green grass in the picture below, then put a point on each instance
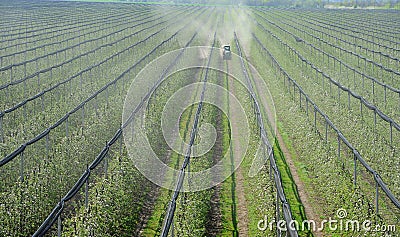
(289, 185)
(155, 221)
(228, 194)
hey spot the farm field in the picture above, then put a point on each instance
(133, 119)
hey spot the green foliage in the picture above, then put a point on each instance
(321, 163)
(121, 202)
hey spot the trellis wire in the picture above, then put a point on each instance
(281, 198)
(379, 182)
(85, 176)
(366, 103)
(40, 136)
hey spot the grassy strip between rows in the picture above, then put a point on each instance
(228, 195)
(288, 183)
(328, 186)
(290, 188)
(156, 219)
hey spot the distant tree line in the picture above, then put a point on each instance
(289, 3)
(322, 3)
(364, 3)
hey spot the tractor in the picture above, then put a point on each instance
(227, 52)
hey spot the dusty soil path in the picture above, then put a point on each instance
(152, 196)
(242, 212)
(310, 213)
(214, 223)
